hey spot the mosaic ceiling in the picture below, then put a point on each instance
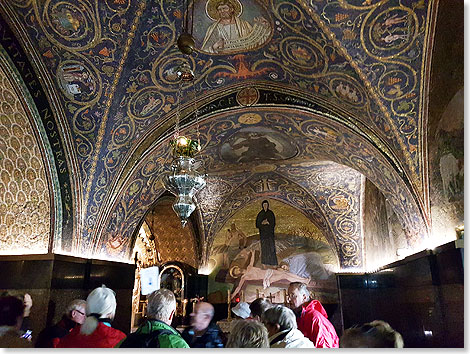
(347, 79)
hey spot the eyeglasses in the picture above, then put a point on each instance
(80, 312)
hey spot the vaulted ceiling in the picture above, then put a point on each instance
(335, 90)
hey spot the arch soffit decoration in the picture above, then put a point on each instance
(294, 19)
(30, 192)
(50, 124)
(372, 164)
(327, 193)
(252, 189)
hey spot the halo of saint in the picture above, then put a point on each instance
(212, 13)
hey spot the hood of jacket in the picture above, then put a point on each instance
(293, 339)
(315, 304)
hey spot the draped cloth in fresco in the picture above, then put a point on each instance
(314, 324)
(266, 235)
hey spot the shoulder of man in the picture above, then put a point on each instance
(216, 335)
(157, 334)
(170, 337)
(170, 340)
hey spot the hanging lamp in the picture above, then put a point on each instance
(184, 180)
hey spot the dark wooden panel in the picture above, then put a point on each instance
(29, 274)
(422, 297)
(113, 275)
(68, 274)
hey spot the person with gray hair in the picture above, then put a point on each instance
(312, 319)
(75, 314)
(157, 332)
(96, 331)
(248, 334)
(375, 334)
(281, 324)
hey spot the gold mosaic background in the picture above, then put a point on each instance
(172, 241)
(24, 193)
(288, 221)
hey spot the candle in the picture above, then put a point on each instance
(257, 293)
(185, 302)
(229, 314)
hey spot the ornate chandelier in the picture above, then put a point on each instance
(184, 180)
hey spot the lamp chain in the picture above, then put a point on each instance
(196, 117)
(178, 108)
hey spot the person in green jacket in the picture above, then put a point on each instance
(157, 332)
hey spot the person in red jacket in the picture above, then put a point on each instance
(96, 331)
(312, 319)
(75, 315)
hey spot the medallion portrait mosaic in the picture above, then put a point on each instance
(112, 65)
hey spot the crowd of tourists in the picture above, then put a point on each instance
(88, 324)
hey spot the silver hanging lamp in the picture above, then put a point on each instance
(184, 180)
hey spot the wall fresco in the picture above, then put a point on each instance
(301, 249)
(447, 156)
(173, 242)
(379, 247)
(445, 129)
(257, 143)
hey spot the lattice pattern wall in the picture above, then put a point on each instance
(24, 193)
(173, 242)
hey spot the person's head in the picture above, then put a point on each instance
(279, 318)
(258, 306)
(100, 303)
(241, 310)
(248, 334)
(161, 305)
(225, 9)
(376, 334)
(202, 315)
(236, 272)
(298, 294)
(76, 311)
(284, 266)
(265, 205)
(11, 311)
(27, 300)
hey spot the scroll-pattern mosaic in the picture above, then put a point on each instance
(334, 206)
(113, 64)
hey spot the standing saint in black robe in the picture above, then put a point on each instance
(265, 222)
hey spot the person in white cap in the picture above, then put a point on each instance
(242, 310)
(96, 331)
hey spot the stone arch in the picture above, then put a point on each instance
(30, 195)
(326, 135)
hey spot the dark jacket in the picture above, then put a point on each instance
(168, 337)
(49, 337)
(212, 338)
